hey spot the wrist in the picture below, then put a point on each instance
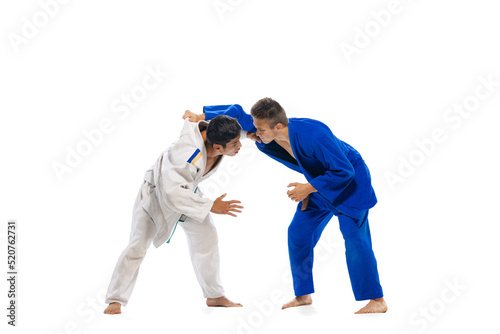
(311, 189)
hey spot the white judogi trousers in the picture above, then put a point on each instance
(203, 248)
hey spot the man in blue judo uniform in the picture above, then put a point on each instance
(339, 184)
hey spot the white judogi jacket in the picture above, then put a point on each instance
(174, 178)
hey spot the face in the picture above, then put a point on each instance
(232, 148)
(264, 131)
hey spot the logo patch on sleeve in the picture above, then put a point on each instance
(195, 157)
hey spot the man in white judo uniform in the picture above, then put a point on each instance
(169, 196)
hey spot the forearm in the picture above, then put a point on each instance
(331, 185)
(233, 110)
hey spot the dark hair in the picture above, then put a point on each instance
(222, 129)
(271, 111)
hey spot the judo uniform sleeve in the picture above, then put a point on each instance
(179, 183)
(339, 171)
(232, 110)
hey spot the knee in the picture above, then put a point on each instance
(210, 234)
(135, 252)
(204, 241)
(356, 241)
(297, 238)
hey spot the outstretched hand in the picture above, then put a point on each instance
(193, 117)
(226, 207)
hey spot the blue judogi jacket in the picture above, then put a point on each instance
(334, 168)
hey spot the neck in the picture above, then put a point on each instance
(283, 136)
(211, 152)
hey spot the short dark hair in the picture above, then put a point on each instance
(222, 129)
(269, 110)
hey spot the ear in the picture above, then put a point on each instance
(279, 127)
(218, 147)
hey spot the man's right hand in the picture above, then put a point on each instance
(253, 136)
(225, 207)
(193, 117)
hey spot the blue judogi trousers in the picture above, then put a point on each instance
(303, 234)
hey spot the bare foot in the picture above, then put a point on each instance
(374, 306)
(222, 301)
(113, 308)
(298, 301)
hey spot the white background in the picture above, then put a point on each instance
(438, 227)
